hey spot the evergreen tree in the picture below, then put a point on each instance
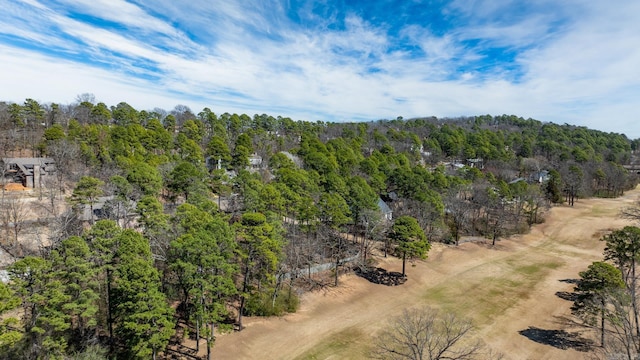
(202, 261)
(86, 192)
(43, 298)
(596, 286)
(9, 335)
(260, 248)
(72, 266)
(409, 239)
(143, 318)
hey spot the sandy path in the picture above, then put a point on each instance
(506, 289)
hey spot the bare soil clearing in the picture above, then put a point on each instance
(513, 291)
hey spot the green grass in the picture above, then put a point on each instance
(347, 344)
(483, 294)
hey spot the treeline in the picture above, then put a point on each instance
(211, 217)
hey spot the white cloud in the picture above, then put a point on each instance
(578, 67)
(51, 80)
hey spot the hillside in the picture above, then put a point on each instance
(138, 229)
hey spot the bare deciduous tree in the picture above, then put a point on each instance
(427, 334)
(12, 215)
(375, 230)
(632, 213)
(66, 155)
(456, 212)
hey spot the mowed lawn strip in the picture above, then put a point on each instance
(486, 291)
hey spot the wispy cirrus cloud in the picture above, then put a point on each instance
(570, 62)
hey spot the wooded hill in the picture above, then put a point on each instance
(211, 217)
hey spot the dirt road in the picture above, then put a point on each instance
(513, 291)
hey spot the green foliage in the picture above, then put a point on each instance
(186, 178)
(409, 239)
(218, 150)
(189, 150)
(100, 113)
(54, 133)
(334, 210)
(280, 160)
(361, 196)
(9, 335)
(124, 114)
(87, 190)
(553, 188)
(623, 247)
(144, 319)
(263, 303)
(596, 288)
(202, 261)
(240, 158)
(245, 141)
(98, 280)
(152, 220)
(43, 297)
(145, 177)
(78, 275)
(193, 129)
(261, 249)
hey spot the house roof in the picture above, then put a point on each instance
(384, 207)
(26, 165)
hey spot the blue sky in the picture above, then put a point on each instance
(570, 61)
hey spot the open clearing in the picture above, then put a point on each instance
(512, 291)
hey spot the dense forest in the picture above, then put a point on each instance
(205, 218)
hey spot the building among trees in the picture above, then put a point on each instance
(30, 172)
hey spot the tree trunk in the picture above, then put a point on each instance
(210, 341)
(602, 325)
(242, 299)
(276, 289)
(245, 286)
(634, 295)
(198, 334)
(336, 271)
(404, 258)
(109, 315)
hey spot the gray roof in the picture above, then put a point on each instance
(26, 164)
(384, 207)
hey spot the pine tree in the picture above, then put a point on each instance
(203, 262)
(260, 252)
(9, 335)
(72, 266)
(86, 192)
(409, 238)
(42, 295)
(143, 318)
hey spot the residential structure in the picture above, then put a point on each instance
(386, 211)
(28, 171)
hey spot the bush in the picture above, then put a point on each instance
(92, 352)
(262, 304)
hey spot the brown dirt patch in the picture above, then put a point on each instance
(510, 291)
(14, 187)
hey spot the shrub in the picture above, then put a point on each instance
(262, 304)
